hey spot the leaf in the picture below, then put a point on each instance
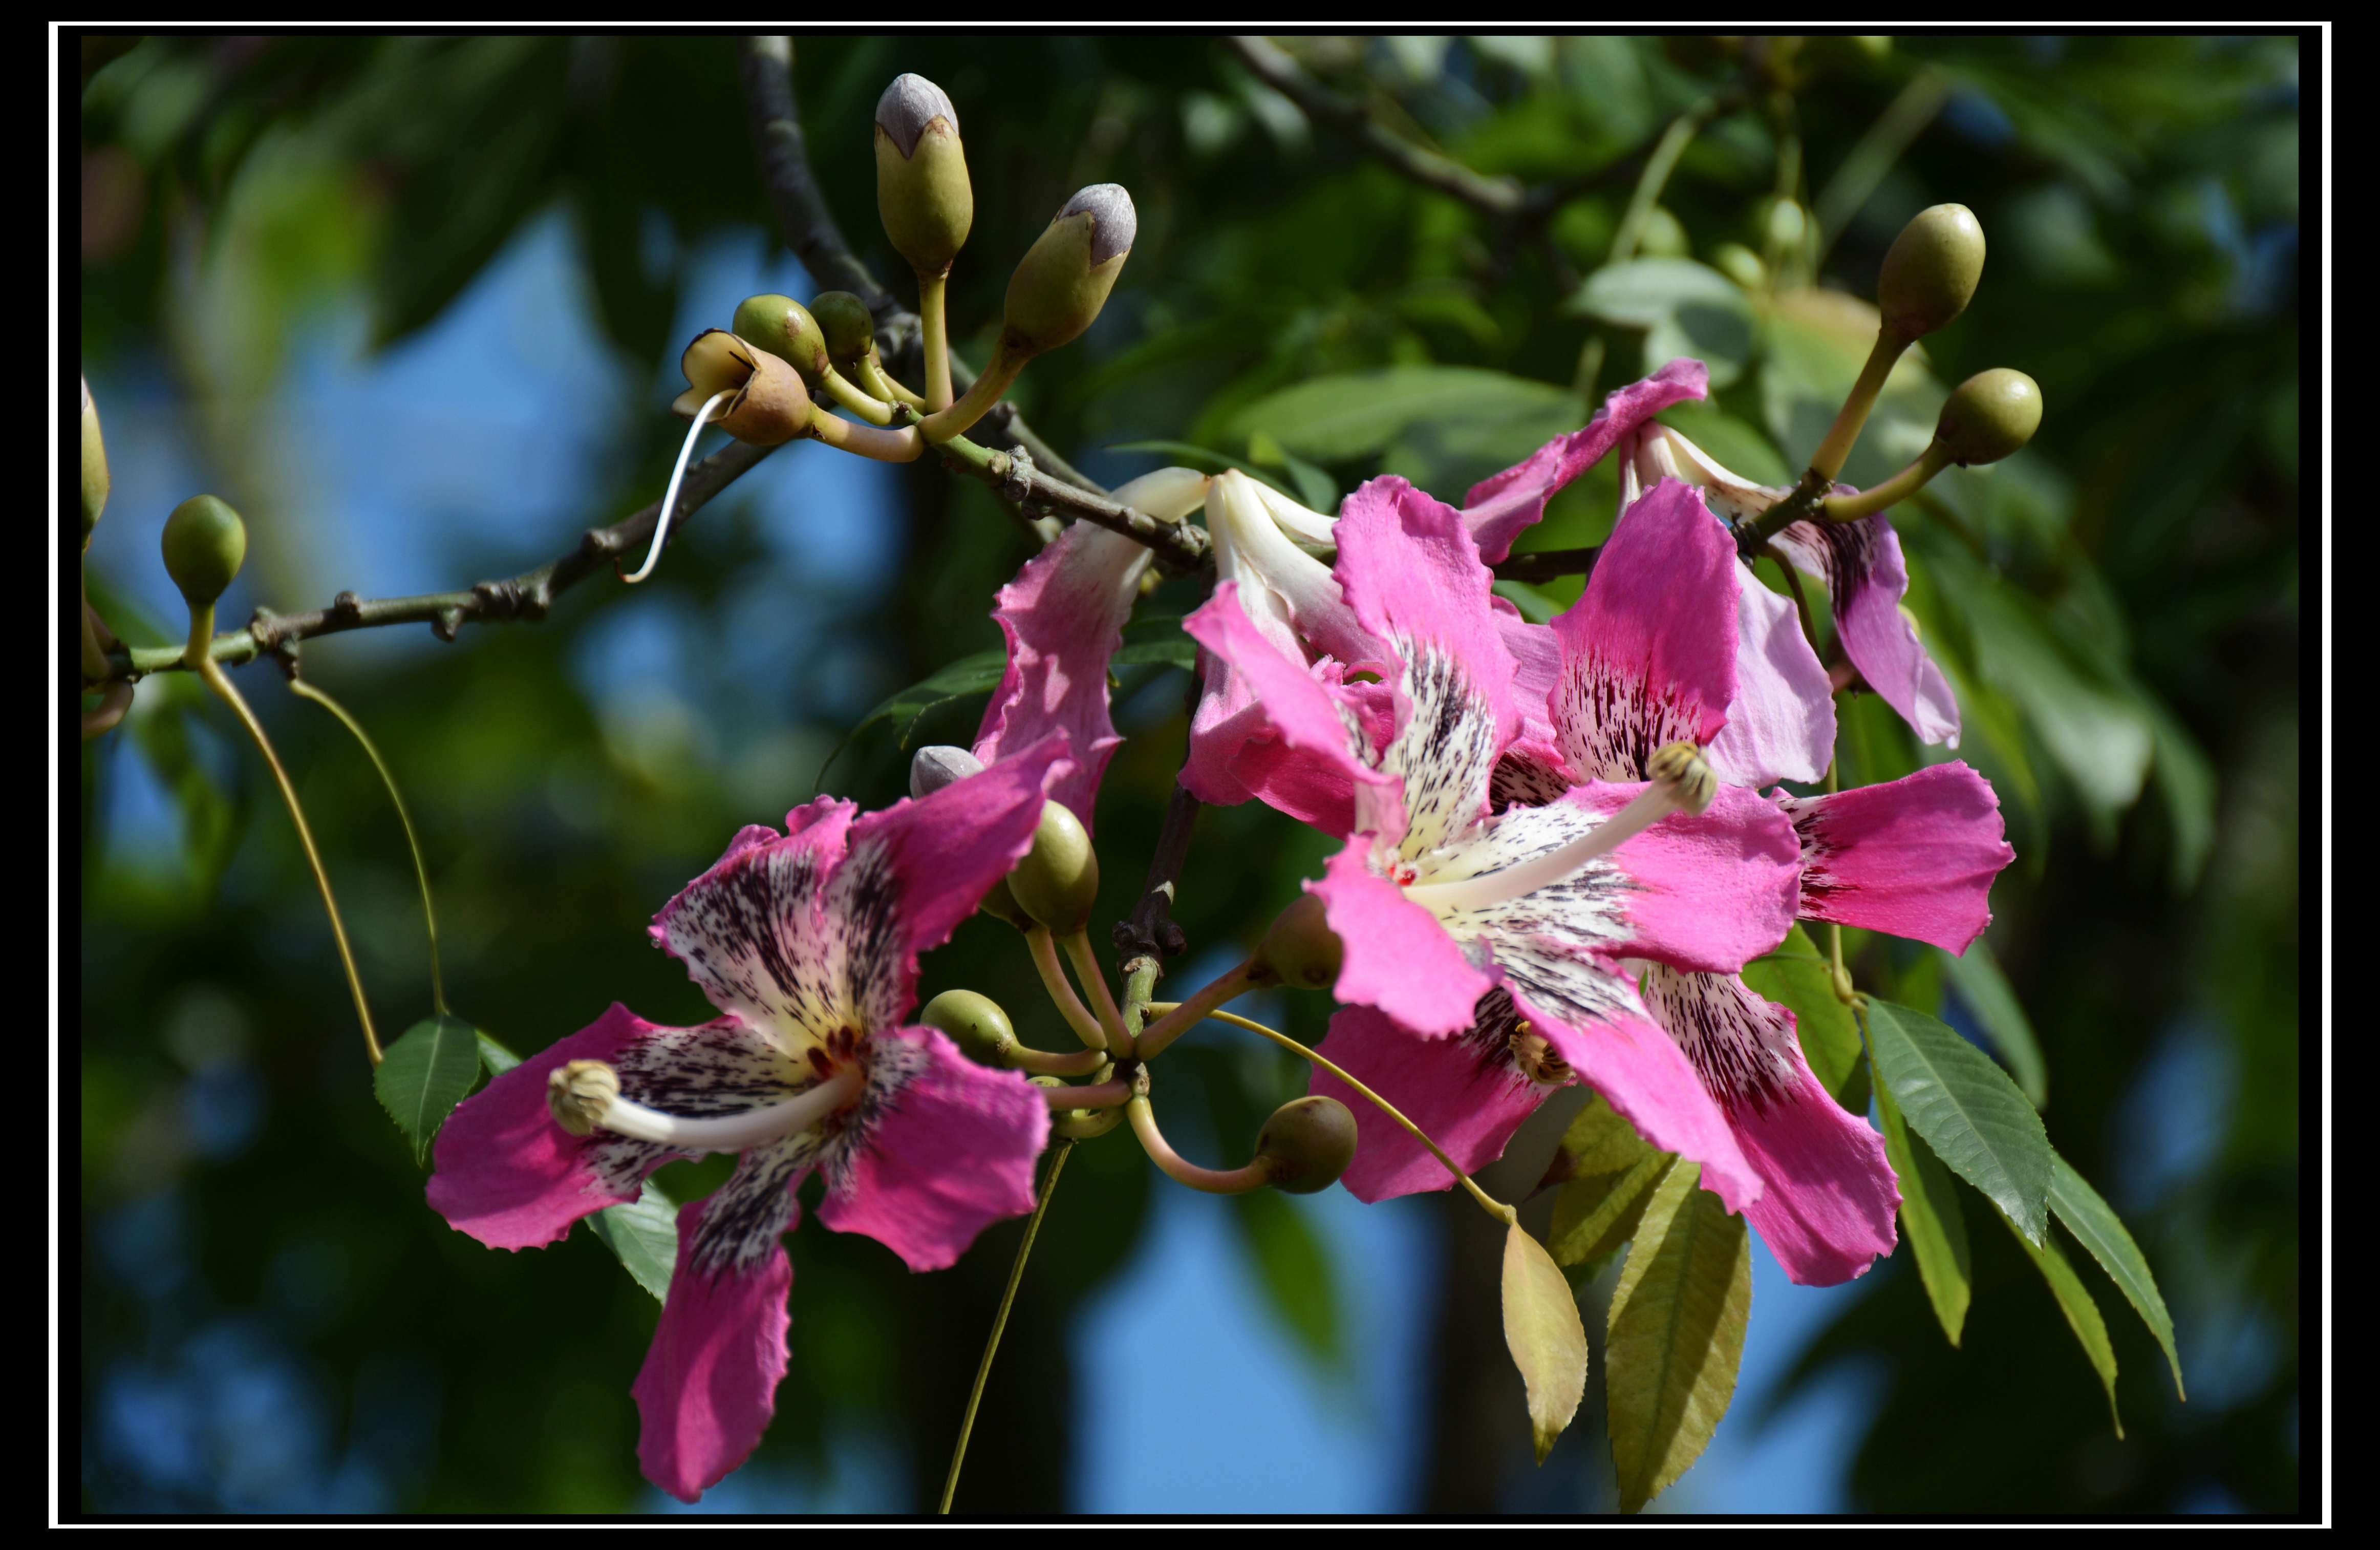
(2082, 1315)
(1535, 605)
(1968, 1110)
(1316, 489)
(1191, 452)
(2100, 738)
(2097, 1226)
(1607, 1172)
(642, 1234)
(1814, 342)
(1293, 1270)
(1676, 1334)
(1686, 308)
(1175, 651)
(1337, 418)
(1543, 1331)
(2186, 781)
(1798, 977)
(977, 674)
(1930, 1220)
(1982, 987)
(423, 1075)
(497, 1058)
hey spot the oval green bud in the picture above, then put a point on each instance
(1059, 878)
(1307, 1144)
(921, 177)
(1989, 415)
(94, 465)
(204, 543)
(1001, 905)
(975, 1023)
(1063, 279)
(1300, 948)
(1931, 270)
(849, 327)
(784, 328)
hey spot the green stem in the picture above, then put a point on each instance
(1038, 942)
(1212, 1181)
(960, 418)
(936, 341)
(1656, 177)
(1892, 492)
(1095, 980)
(872, 409)
(1007, 1298)
(1188, 1014)
(904, 445)
(412, 840)
(1828, 461)
(877, 379)
(1024, 1058)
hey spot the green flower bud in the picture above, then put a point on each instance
(1001, 905)
(1307, 1144)
(1931, 270)
(94, 465)
(1059, 878)
(975, 1023)
(784, 328)
(849, 327)
(768, 403)
(1989, 415)
(204, 543)
(1300, 948)
(1065, 278)
(921, 177)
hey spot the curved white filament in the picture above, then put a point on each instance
(733, 1132)
(1656, 802)
(677, 477)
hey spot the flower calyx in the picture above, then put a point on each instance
(785, 329)
(203, 543)
(1931, 270)
(849, 327)
(1059, 879)
(975, 1022)
(764, 401)
(922, 189)
(1988, 416)
(1300, 948)
(1307, 1144)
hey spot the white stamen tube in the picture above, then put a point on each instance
(733, 1132)
(1656, 802)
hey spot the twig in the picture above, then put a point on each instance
(1546, 564)
(1149, 932)
(1180, 549)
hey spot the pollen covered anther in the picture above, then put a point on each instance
(1683, 765)
(579, 1093)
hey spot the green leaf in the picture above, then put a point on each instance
(1606, 1173)
(1798, 977)
(1535, 605)
(1676, 1334)
(1335, 419)
(1315, 488)
(1543, 1331)
(497, 1058)
(2186, 781)
(2101, 739)
(1293, 1270)
(977, 674)
(1176, 650)
(1985, 991)
(2097, 1226)
(423, 1075)
(1686, 308)
(2082, 1315)
(1968, 1110)
(642, 1234)
(1930, 1219)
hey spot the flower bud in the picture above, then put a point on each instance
(1931, 270)
(1682, 764)
(1989, 415)
(1307, 1144)
(94, 465)
(784, 328)
(975, 1023)
(1300, 948)
(579, 1093)
(1059, 878)
(769, 404)
(849, 327)
(204, 543)
(938, 764)
(921, 177)
(1065, 278)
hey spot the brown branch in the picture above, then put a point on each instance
(1180, 548)
(1149, 932)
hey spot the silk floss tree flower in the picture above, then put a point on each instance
(806, 942)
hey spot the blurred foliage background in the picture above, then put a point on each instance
(269, 1316)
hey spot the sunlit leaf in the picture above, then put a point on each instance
(1798, 977)
(1985, 991)
(424, 1074)
(1930, 1219)
(642, 1234)
(1685, 309)
(1543, 1331)
(1606, 1173)
(2097, 1226)
(1677, 1328)
(1968, 1110)
(1333, 419)
(2082, 1314)
(1293, 1270)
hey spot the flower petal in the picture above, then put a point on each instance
(1914, 857)
(1465, 1092)
(1499, 508)
(1286, 698)
(1861, 564)
(1537, 670)
(1648, 650)
(1397, 955)
(1828, 1196)
(944, 1147)
(747, 930)
(1781, 723)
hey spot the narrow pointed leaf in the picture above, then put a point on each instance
(1980, 985)
(2082, 1315)
(642, 1234)
(1930, 1219)
(425, 1074)
(1968, 1110)
(1796, 977)
(2097, 1226)
(977, 674)
(1676, 1334)
(1543, 1331)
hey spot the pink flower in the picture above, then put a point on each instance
(1479, 944)
(808, 944)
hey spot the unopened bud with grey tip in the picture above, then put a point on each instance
(1307, 1144)
(94, 465)
(922, 190)
(1065, 278)
(937, 764)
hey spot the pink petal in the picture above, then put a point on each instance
(1397, 955)
(1536, 668)
(1497, 509)
(512, 1178)
(1781, 725)
(1861, 564)
(946, 1152)
(1464, 1092)
(1710, 893)
(709, 1384)
(1286, 697)
(1413, 575)
(1648, 650)
(1914, 857)
(1063, 616)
